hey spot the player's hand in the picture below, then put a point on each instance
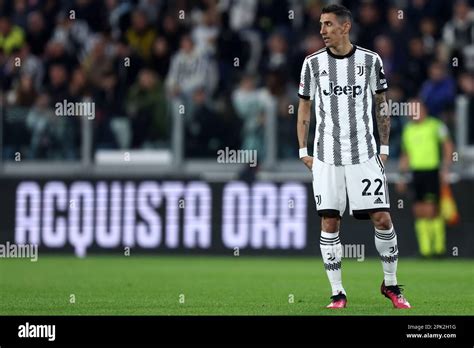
(383, 158)
(308, 162)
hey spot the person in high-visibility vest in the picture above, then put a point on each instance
(427, 152)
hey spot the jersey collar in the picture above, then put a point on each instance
(351, 52)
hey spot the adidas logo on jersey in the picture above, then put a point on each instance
(378, 201)
(352, 90)
(323, 73)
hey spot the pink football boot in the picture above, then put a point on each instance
(394, 293)
(338, 301)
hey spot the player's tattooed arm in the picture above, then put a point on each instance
(383, 117)
(304, 117)
(302, 129)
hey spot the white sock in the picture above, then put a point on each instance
(331, 251)
(386, 244)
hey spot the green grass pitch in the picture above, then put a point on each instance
(243, 285)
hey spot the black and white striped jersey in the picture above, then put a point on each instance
(341, 88)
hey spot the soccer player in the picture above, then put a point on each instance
(342, 79)
(424, 160)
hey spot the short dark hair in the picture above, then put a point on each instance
(341, 12)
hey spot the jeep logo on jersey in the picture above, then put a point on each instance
(352, 90)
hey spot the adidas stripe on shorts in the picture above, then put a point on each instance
(365, 184)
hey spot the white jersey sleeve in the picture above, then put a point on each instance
(378, 82)
(306, 88)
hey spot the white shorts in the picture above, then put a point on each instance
(365, 184)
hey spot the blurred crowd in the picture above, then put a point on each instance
(225, 66)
